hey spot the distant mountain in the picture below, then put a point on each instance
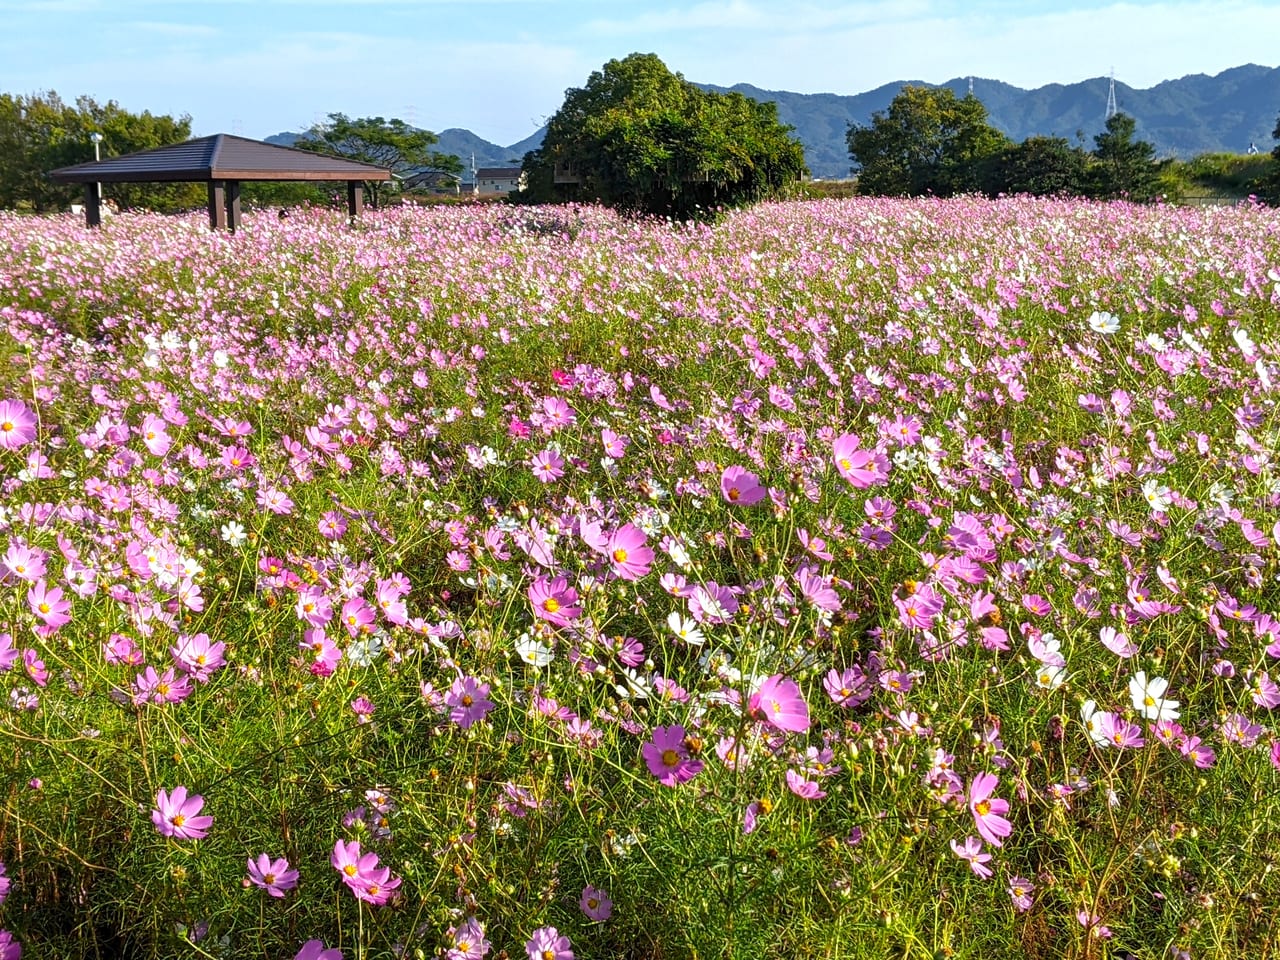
(1195, 114)
(1192, 115)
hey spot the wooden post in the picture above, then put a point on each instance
(92, 205)
(355, 198)
(217, 204)
(233, 205)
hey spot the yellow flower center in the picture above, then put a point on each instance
(982, 807)
(268, 878)
(592, 903)
(467, 700)
(44, 608)
(734, 494)
(7, 426)
(177, 820)
(349, 869)
(670, 758)
(620, 555)
(551, 604)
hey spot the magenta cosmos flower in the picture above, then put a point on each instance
(861, 468)
(668, 758)
(17, 425)
(362, 873)
(553, 600)
(48, 604)
(628, 554)
(273, 876)
(547, 943)
(988, 812)
(740, 486)
(10, 949)
(779, 704)
(316, 950)
(175, 815)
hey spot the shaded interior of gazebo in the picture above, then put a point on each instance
(223, 162)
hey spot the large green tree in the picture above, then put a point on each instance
(928, 141)
(641, 138)
(1124, 168)
(40, 132)
(392, 144)
(1042, 167)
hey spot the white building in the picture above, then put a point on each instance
(499, 181)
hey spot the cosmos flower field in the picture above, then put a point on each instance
(844, 579)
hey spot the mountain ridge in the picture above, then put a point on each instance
(1194, 114)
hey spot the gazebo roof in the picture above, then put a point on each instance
(219, 157)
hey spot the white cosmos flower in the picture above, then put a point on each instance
(1050, 677)
(686, 629)
(534, 652)
(1158, 496)
(1092, 725)
(233, 532)
(1149, 697)
(1102, 322)
(1245, 342)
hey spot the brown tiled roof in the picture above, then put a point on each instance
(219, 157)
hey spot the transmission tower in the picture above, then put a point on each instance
(971, 86)
(1112, 110)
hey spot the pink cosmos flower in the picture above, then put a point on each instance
(741, 487)
(988, 812)
(548, 944)
(971, 851)
(614, 445)
(848, 687)
(627, 552)
(362, 874)
(175, 815)
(160, 689)
(595, 904)
(668, 758)
(17, 424)
(712, 603)
(817, 589)
(469, 701)
(1117, 731)
(313, 606)
(778, 703)
(10, 949)
(332, 525)
(274, 876)
(357, 616)
(198, 657)
(48, 604)
(547, 465)
(322, 651)
(861, 468)
(155, 435)
(553, 600)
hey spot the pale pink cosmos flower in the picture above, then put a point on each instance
(48, 604)
(988, 812)
(17, 425)
(547, 943)
(1020, 891)
(804, 788)
(1117, 642)
(547, 465)
(971, 851)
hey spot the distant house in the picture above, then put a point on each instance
(499, 181)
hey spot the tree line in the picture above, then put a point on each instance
(929, 141)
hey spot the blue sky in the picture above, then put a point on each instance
(500, 67)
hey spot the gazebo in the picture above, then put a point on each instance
(223, 162)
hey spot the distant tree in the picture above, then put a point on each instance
(40, 132)
(1041, 166)
(392, 144)
(1269, 185)
(928, 141)
(1123, 167)
(644, 139)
